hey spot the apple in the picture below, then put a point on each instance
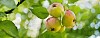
(53, 24)
(68, 19)
(56, 9)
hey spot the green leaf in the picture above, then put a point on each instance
(40, 2)
(59, 1)
(1, 6)
(4, 8)
(85, 15)
(40, 12)
(43, 27)
(75, 9)
(97, 8)
(2, 14)
(85, 32)
(36, 5)
(4, 35)
(72, 1)
(9, 28)
(48, 34)
(22, 32)
(28, 3)
(18, 0)
(25, 4)
(72, 35)
(8, 3)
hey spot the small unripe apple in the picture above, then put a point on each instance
(69, 19)
(53, 24)
(56, 9)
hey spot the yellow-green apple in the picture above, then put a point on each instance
(68, 19)
(56, 9)
(62, 29)
(53, 24)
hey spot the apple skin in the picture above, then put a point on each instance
(56, 9)
(68, 19)
(62, 29)
(53, 24)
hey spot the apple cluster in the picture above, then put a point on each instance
(54, 24)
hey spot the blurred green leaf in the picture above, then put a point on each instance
(25, 4)
(85, 15)
(8, 3)
(43, 27)
(53, 1)
(40, 2)
(2, 14)
(9, 28)
(75, 9)
(22, 32)
(72, 35)
(4, 35)
(36, 5)
(48, 34)
(72, 1)
(1, 5)
(40, 12)
(97, 8)
(92, 16)
(4, 8)
(28, 3)
(85, 32)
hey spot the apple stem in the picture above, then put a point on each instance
(62, 14)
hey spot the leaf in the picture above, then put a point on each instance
(59, 1)
(75, 9)
(9, 28)
(72, 35)
(40, 12)
(43, 27)
(1, 6)
(85, 32)
(25, 4)
(85, 15)
(4, 8)
(36, 5)
(40, 2)
(2, 14)
(48, 34)
(28, 3)
(97, 8)
(4, 35)
(8, 3)
(22, 32)
(72, 1)
(18, 0)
